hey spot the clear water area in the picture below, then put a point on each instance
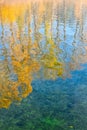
(43, 65)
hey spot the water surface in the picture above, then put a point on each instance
(43, 65)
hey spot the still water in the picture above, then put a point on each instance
(43, 65)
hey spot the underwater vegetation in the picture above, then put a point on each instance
(56, 108)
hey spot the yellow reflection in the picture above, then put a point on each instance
(11, 10)
(14, 91)
(52, 66)
(23, 28)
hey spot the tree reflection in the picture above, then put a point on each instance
(34, 38)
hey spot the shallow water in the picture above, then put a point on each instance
(43, 65)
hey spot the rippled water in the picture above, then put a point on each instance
(43, 65)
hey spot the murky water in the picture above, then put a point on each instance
(43, 65)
